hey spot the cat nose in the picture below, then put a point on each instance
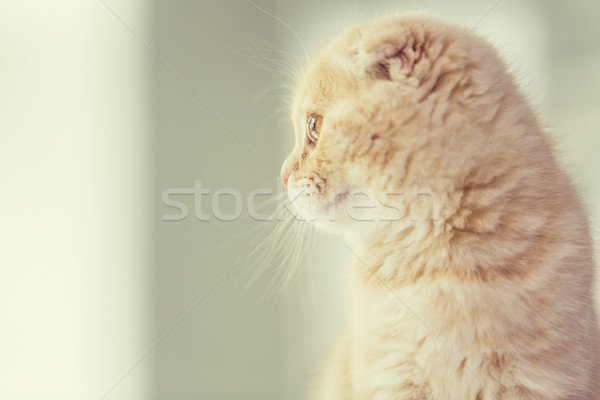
(289, 165)
(284, 179)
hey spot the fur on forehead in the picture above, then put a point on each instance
(385, 49)
(323, 82)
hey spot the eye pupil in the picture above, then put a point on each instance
(313, 127)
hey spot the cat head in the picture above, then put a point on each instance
(387, 117)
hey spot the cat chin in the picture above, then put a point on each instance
(352, 229)
(312, 206)
(334, 217)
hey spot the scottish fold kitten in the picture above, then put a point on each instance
(472, 265)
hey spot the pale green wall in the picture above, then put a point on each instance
(230, 345)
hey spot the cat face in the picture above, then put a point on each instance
(381, 117)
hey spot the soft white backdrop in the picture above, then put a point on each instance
(74, 178)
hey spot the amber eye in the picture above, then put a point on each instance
(313, 127)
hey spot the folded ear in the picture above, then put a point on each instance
(385, 61)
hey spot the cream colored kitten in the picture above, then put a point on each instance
(472, 271)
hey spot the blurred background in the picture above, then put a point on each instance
(109, 290)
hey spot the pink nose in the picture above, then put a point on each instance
(289, 165)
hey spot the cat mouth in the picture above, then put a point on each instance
(339, 199)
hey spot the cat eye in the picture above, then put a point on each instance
(313, 127)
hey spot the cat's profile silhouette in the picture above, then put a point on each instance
(478, 285)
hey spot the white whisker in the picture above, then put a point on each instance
(284, 24)
(281, 249)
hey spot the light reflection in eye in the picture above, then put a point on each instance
(313, 127)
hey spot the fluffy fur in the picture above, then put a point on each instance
(473, 271)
